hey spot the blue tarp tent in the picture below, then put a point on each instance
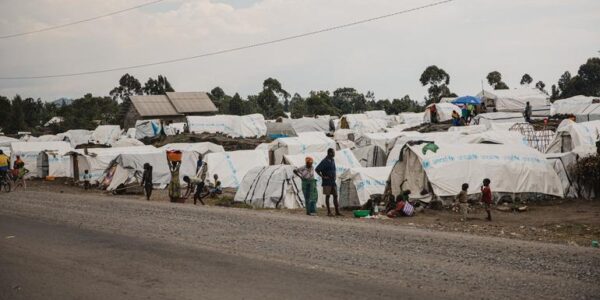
(464, 100)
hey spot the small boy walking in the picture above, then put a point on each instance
(463, 206)
(486, 198)
(87, 177)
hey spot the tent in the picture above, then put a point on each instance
(376, 114)
(512, 169)
(233, 166)
(127, 142)
(562, 164)
(305, 143)
(361, 123)
(465, 100)
(97, 160)
(76, 137)
(514, 100)
(233, 126)
(570, 106)
(590, 113)
(358, 184)
(397, 144)
(6, 141)
(127, 168)
(105, 134)
(411, 118)
(572, 136)
(43, 138)
(309, 124)
(175, 128)
(498, 120)
(43, 158)
(444, 112)
(130, 133)
(271, 187)
(370, 156)
(202, 148)
(468, 129)
(344, 160)
(277, 130)
(147, 128)
(381, 139)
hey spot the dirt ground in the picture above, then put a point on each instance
(574, 222)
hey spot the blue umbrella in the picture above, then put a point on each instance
(464, 100)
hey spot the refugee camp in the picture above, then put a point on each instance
(258, 149)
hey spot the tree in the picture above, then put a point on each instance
(236, 105)
(128, 86)
(17, 116)
(319, 103)
(526, 79)
(586, 82)
(494, 78)
(438, 81)
(297, 106)
(540, 85)
(268, 98)
(564, 81)
(159, 86)
(88, 111)
(5, 113)
(405, 105)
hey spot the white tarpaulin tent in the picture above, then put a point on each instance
(562, 164)
(468, 129)
(307, 142)
(512, 169)
(515, 100)
(97, 160)
(147, 128)
(358, 184)
(381, 139)
(411, 118)
(233, 166)
(572, 136)
(309, 124)
(572, 105)
(444, 112)
(6, 141)
(505, 120)
(271, 187)
(234, 126)
(105, 134)
(370, 156)
(582, 112)
(202, 148)
(76, 137)
(361, 123)
(344, 160)
(175, 128)
(43, 158)
(397, 144)
(127, 142)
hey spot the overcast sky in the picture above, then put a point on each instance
(467, 38)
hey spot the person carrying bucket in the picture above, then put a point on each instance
(309, 185)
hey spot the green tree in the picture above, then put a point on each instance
(347, 100)
(5, 113)
(438, 81)
(526, 79)
(268, 99)
(586, 82)
(494, 78)
(540, 85)
(89, 111)
(297, 106)
(405, 105)
(236, 105)
(159, 86)
(17, 116)
(319, 103)
(564, 81)
(128, 86)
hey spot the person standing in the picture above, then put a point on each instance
(463, 206)
(19, 172)
(309, 185)
(527, 112)
(86, 179)
(4, 166)
(486, 198)
(147, 180)
(200, 164)
(326, 169)
(433, 114)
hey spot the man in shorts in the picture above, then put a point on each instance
(326, 169)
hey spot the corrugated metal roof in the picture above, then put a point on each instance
(192, 102)
(153, 105)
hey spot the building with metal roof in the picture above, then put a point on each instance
(172, 107)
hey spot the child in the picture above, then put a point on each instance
(147, 180)
(486, 198)
(216, 190)
(462, 202)
(86, 179)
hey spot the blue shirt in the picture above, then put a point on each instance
(327, 168)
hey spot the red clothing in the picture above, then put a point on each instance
(486, 195)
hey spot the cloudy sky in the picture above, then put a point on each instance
(467, 38)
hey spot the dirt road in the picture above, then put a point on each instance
(65, 246)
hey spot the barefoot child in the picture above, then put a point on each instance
(462, 202)
(486, 198)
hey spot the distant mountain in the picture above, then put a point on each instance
(62, 102)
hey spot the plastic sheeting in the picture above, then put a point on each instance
(202, 148)
(233, 166)
(147, 128)
(381, 139)
(344, 160)
(6, 141)
(361, 123)
(307, 142)
(515, 100)
(175, 128)
(411, 118)
(572, 105)
(562, 164)
(309, 124)
(360, 183)
(511, 169)
(370, 156)
(97, 160)
(504, 119)
(105, 134)
(58, 164)
(444, 112)
(234, 126)
(271, 187)
(76, 137)
(127, 142)
(571, 136)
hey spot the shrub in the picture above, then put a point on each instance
(587, 173)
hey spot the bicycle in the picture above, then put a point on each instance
(5, 182)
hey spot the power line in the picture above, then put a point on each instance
(79, 21)
(229, 50)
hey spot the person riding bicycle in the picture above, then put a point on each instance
(4, 165)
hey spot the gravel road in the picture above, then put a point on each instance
(56, 245)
